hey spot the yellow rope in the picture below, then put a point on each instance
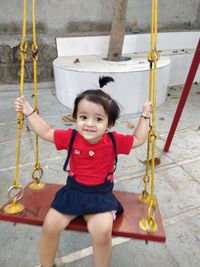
(37, 172)
(154, 58)
(16, 207)
(20, 118)
(149, 224)
(35, 58)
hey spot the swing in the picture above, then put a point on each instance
(141, 218)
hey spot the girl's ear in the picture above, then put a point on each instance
(108, 128)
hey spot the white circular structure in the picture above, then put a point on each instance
(81, 61)
(131, 85)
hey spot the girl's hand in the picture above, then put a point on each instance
(147, 109)
(22, 105)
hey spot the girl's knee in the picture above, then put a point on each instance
(55, 222)
(106, 230)
(103, 233)
(100, 226)
(50, 227)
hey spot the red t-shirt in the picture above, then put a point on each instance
(90, 163)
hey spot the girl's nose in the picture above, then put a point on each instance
(90, 122)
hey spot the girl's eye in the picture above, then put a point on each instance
(82, 117)
(99, 119)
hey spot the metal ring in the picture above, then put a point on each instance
(40, 172)
(152, 56)
(19, 195)
(153, 137)
(152, 205)
(146, 178)
(145, 194)
(23, 47)
(35, 52)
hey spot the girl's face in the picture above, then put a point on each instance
(92, 121)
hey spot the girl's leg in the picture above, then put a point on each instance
(54, 223)
(100, 227)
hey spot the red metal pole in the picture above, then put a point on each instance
(186, 90)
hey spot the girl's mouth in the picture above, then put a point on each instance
(89, 131)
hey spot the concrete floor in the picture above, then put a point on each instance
(177, 185)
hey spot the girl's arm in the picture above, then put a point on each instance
(39, 125)
(141, 132)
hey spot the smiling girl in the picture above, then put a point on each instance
(92, 156)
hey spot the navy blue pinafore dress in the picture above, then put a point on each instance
(78, 199)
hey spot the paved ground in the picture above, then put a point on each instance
(177, 185)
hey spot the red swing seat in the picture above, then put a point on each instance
(37, 203)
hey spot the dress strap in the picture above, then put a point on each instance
(70, 149)
(115, 150)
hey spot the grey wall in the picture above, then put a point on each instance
(56, 18)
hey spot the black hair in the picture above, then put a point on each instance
(99, 97)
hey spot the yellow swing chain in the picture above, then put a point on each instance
(38, 171)
(149, 223)
(16, 207)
